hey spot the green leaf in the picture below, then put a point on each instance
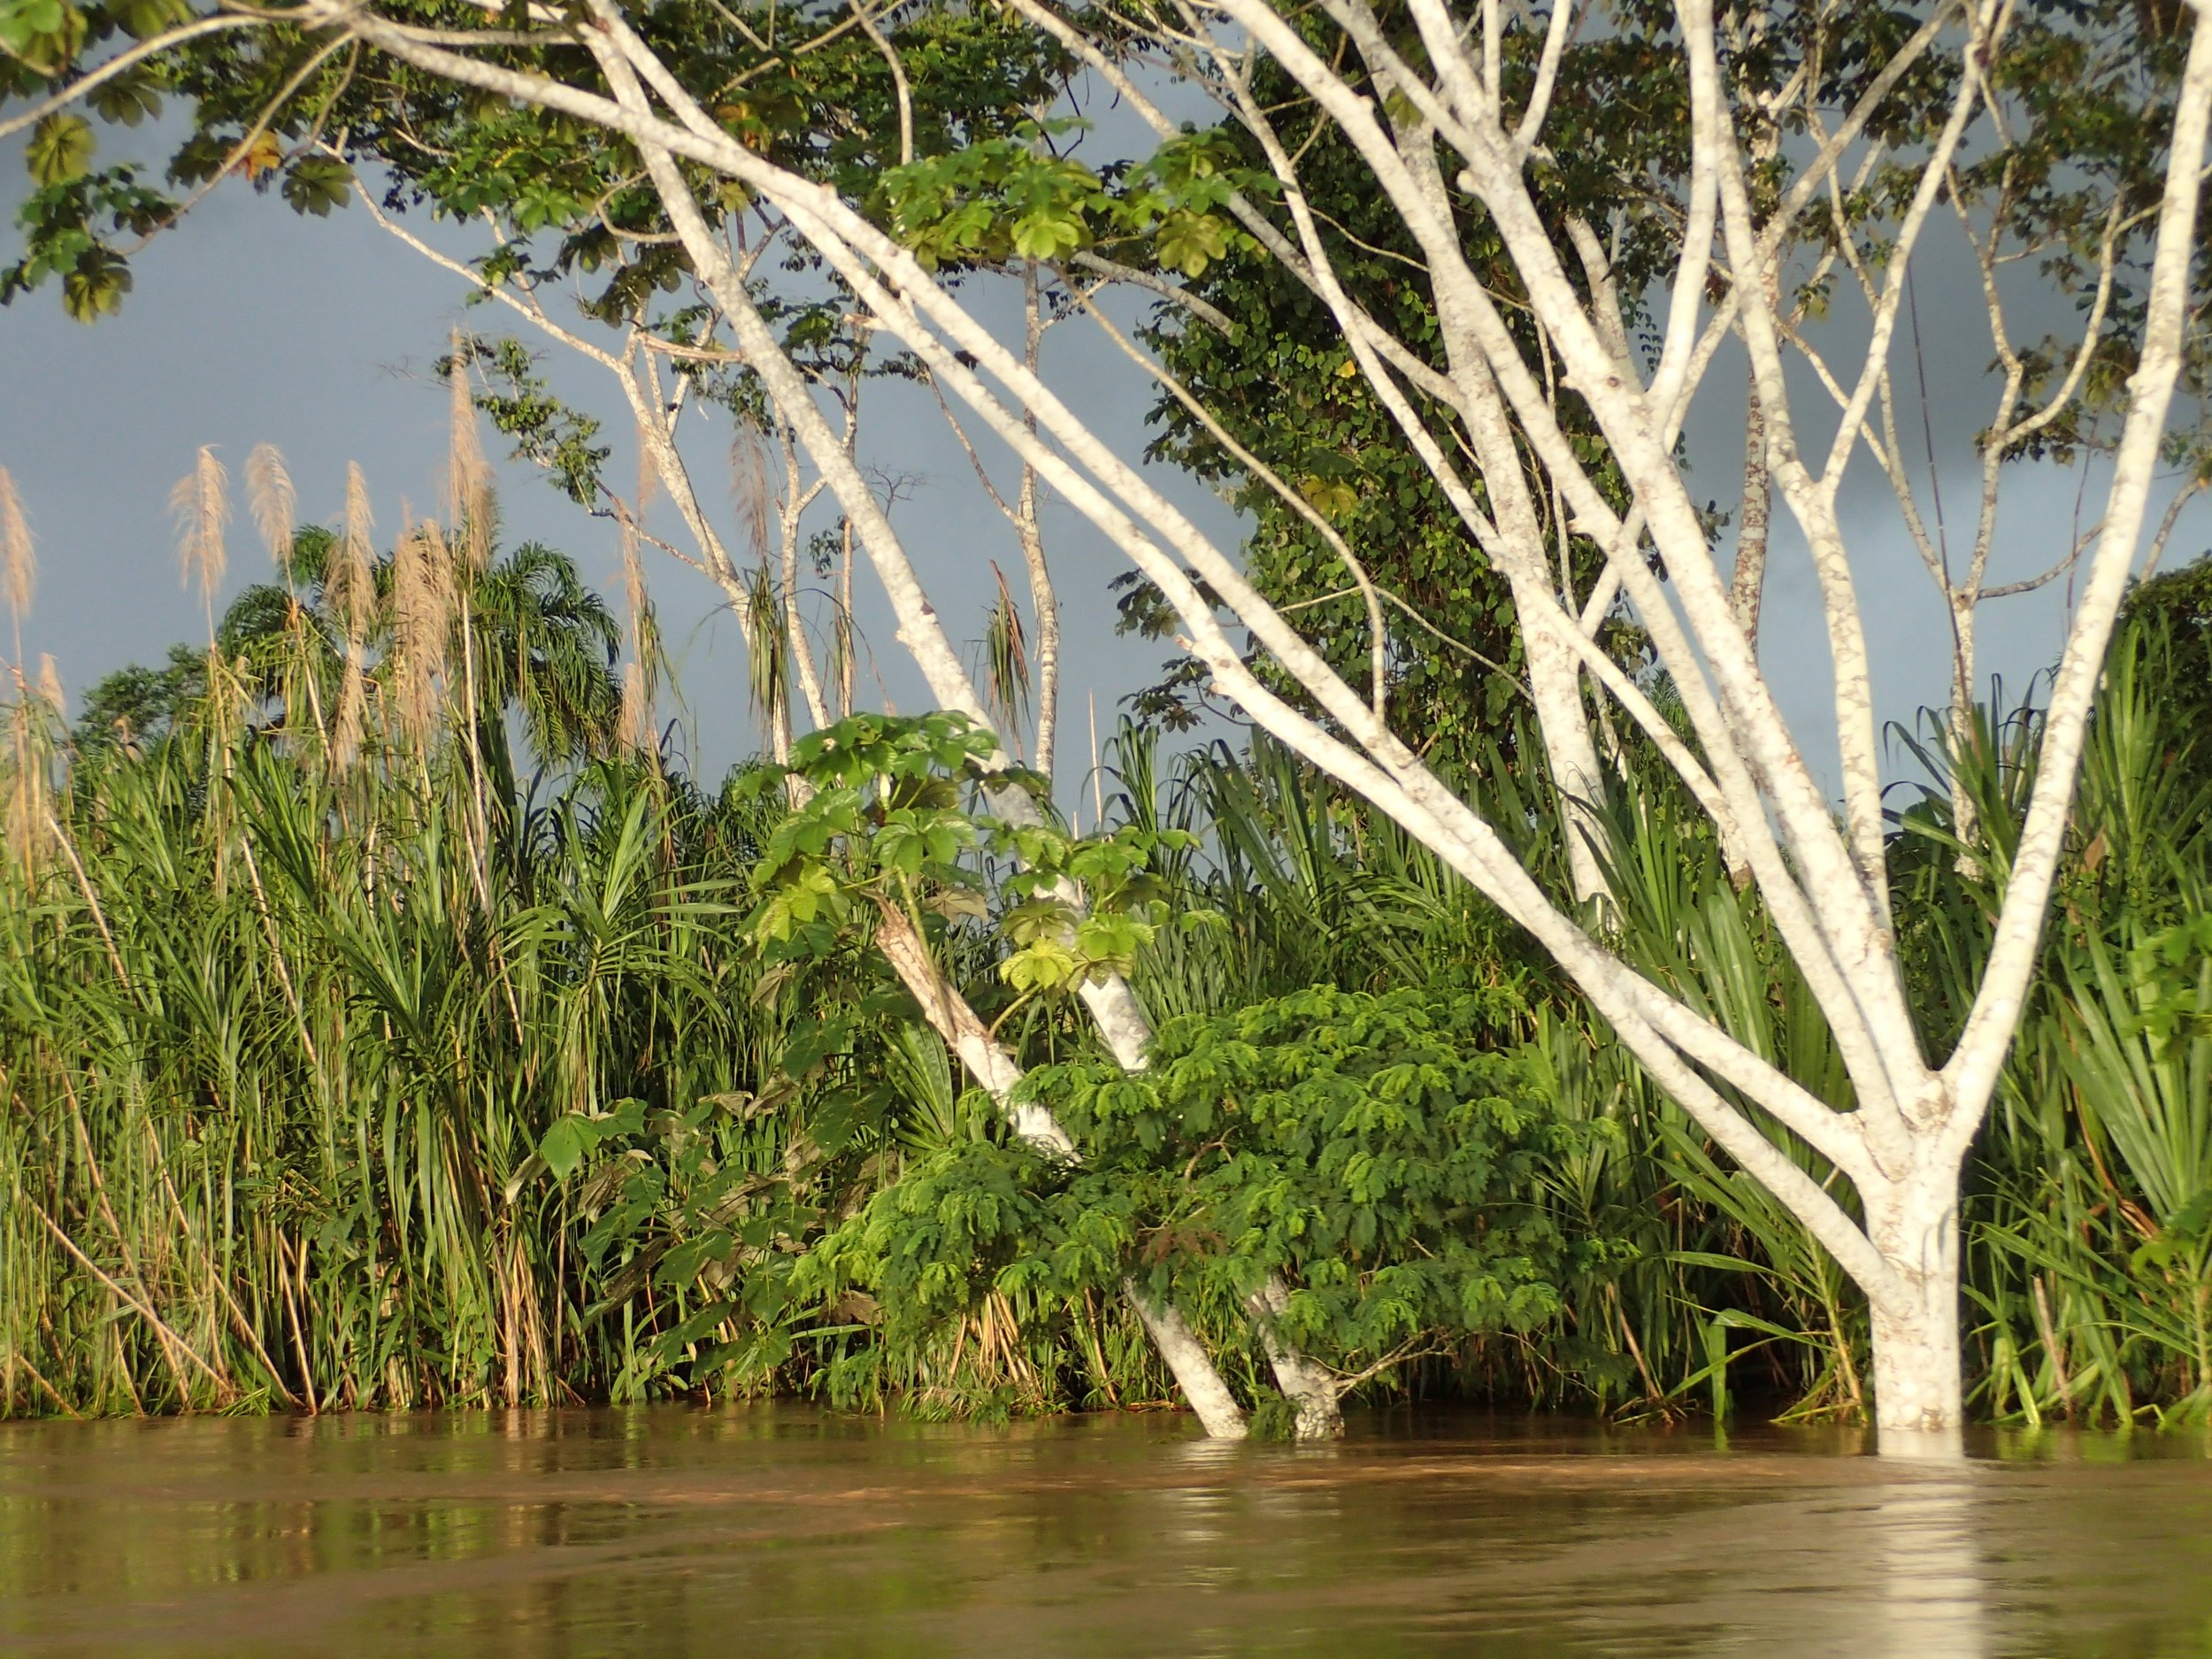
(60, 149)
(813, 1041)
(128, 99)
(562, 1146)
(1045, 965)
(316, 184)
(45, 34)
(142, 19)
(1332, 498)
(97, 287)
(20, 20)
(1189, 242)
(1046, 234)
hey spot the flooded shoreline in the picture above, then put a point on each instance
(778, 1531)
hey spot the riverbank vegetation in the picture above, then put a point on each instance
(1665, 1056)
(386, 1024)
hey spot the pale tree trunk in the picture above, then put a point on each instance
(1044, 601)
(1555, 684)
(1965, 736)
(1824, 884)
(1918, 1402)
(1563, 721)
(1195, 1373)
(1311, 1389)
(1747, 586)
(1202, 1385)
(654, 414)
(796, 499)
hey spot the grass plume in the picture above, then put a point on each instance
(470, 507)
(19, 557)
(274, 502)
(350, 587)
(200, 504)
(422, 624)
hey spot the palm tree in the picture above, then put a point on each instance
(540, 646)
(544, 648)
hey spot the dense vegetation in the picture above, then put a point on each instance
(385, 1024)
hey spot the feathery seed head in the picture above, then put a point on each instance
(637, 708)
(422, 620)
(18, 560)
(274, 502)
(749, 487)
(200, 503)
(470, 506)
(350, 589)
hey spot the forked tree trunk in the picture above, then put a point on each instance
(1827, 888)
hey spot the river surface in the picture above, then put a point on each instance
(755, 1533)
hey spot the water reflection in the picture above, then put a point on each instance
(774, 1532)
(1930, 1572)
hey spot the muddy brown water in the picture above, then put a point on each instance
(761, 1532)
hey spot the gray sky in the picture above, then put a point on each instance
(249, 324)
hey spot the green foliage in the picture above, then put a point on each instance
(318, 184)
(450, 1118)
(546, 431)
(1385, 1155)
(44, 34)
(1015, 198)
(277, 107)
(882, 820)
(65, 225)
(60, 149)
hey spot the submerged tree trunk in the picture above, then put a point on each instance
(1918, 1394)
(1195, 1373)
(1312, 1391)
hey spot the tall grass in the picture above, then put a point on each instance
(2090, 1209)
(289, 991)
(308, 939)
